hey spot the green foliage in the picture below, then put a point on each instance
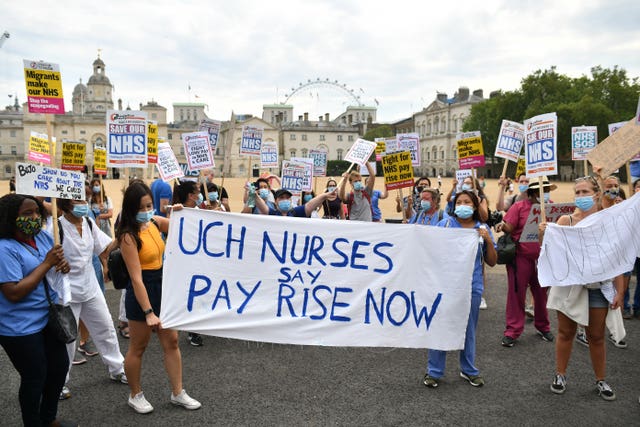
(607, 96)
(383, 131)
(337, 167)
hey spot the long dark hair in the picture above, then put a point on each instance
(474, 199)
(94, 196)
(9, 207)
(130, 207)
(181, 192)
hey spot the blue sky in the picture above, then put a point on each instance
(240, 55)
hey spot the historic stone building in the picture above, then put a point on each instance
(12, 147)
(437, 125)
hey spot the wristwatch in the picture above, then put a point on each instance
(148, 311)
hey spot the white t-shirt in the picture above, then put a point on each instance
(79, 252)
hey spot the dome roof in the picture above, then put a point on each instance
(99, 79)
(98, 63)
(79, 88)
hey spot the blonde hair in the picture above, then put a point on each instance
(353, 175)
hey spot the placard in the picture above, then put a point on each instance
(510, 140)
(44, 87)
(319, 162)
(553, 212)
(583, 140)
(360, 151)
(294, 176)
(167, 165)
(197, 150)
(521, 167)
(73, 156)
(39, 150)
(391, 145)
(269, 155)
(251, 141)
(410, 142)
(381, 148)
(461, 174)
(470, 150)
(212, 127)
(99, 161)
(541, 145)
(398, 170)
(126, 139)
(616, 149)
(43, 181)
(152, 141)
(307, 184)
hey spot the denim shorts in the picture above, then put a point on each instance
(597, 299)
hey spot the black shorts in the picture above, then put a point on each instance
(152, 280)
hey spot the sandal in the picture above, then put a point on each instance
(123, 330)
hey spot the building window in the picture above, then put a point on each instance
(305, 152)
(443, 129)
(441, 154)
(154, 115)
(293, 153)
(292, 137)
(350, 139)
(428, 156)
(182, 151)
(429, 127)
(64, 132)
(454, 152)
(14, 150)
(339, 138)
(321, 137)
(12, 134)
(83, 132)
(304, 137)
(0, 149)
(7, 170)
(436, 122)
(339, 154)
(170, 136)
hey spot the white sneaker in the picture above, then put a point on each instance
(184, 400)
(483, 304)
(140, 404)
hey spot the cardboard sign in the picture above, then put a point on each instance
(553, 212)
(99, 161)
(197, 150)
(44, 87)
(307, 185)
(360, 151)
(381, 148)
(294, 176)
(521, 167)
(126, 139)
(152, 142)
(269, 155)
(251, 141)
(73, 156)
(167, 165)
(398, 170)
(39, 150)
(44, 181)
(410, 142)
(470, 150)
(319, 162)
(461, 174)
(187, 172)
(541, 145)
(391, 145)
(212, 127)
(616, 149)
(510, 140)
(583, 140)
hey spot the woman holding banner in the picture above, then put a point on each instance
(523, 273)
(466, 215)
(142, 250)
(101, 207)
(583, 303)
(26, 256)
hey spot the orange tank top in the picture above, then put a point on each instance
(152, 249)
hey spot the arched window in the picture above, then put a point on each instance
(305, 152)
(293, 153)
(441, 153)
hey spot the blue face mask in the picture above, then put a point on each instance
(466, 187)
(464, 211)
(200, 199)
(585, 203)
(213, 196)
(284, 205)
(358, 186)
(331, 189)
(264, 193)
(425, 205)
(523, 188)
(547, 197)
(80, 210)
(146, 216)
(307, 197)
(96, 189)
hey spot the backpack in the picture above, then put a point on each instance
(350, 198)
(118, 272)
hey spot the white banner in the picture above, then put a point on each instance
(317, 282)
(553, 212)
(360, 151)
(600, 247)
(44, 181)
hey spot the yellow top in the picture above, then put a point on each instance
(152, 249)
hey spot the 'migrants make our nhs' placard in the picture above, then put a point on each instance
(317, 282)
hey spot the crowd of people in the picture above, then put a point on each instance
(29, 262)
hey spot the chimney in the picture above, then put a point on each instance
(478, 93)
(494, 93)
(141, 105)
(299, 118)
(463, 93)
(120, 104)
(306, 117)
(319, 118)
(442, 97)
(326, 117)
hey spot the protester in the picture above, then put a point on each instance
(583, 303)
(26, 256)
(636, 294)
(307, 196)
(418, 186)
(376, 213)
(214, 198)
(81, 239)
(332, 207)
(523, 271)
(469, 183)
(162, 195)
(223, 196)
(262, 189)
(358, 201)
(142, 250)
(466, 215)
(284, 207)
(523, 186)
(101, 207)
(429, 212)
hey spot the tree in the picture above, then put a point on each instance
(383, 131)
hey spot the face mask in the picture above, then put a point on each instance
(584, 203)
(358, 186)
(264, 193)
(612, 193)
(425, 205)
(331, 189)
(200, 199)
(466, 187)
(284, 205)
(96, 189)
(523, 187)
(80, 210)
(213, 196)
(144, 217)
(547, 197)
(464, 211)
(307, 197)
(28, 225)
